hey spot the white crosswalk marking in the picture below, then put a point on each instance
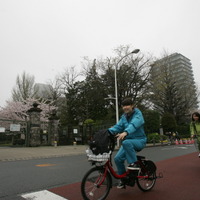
(42, 195)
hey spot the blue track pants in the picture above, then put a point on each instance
(127, 152)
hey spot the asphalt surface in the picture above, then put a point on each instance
(180, 181)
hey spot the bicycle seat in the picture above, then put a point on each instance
(140, 157)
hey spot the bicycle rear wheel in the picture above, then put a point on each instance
(147, 178)
(146, 184)
(94, 185)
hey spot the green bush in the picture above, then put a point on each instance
(183, 131)
(155, 138)
(163, 137)
(89, 122)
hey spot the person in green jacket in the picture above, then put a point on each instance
(195, 130)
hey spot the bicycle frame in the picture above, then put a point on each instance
(108, 167)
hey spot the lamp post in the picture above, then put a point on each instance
(116, 91)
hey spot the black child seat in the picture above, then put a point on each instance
(101, 142)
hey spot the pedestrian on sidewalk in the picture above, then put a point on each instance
(195, 130)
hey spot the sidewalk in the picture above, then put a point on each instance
(27, 153)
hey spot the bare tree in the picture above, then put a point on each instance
(132, 74)
(24, 88)
(55, 89)
(67, 79)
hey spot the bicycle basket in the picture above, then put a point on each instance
(99, 157)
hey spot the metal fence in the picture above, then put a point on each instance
(79, 134)
(13, 132)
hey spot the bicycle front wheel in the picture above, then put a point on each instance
(95, 185)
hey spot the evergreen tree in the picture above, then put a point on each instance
(168, 122)
(152, 121)
(94, 94)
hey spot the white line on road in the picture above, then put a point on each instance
(42, 195)
(170, 148)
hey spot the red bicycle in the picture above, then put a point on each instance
(97, 182)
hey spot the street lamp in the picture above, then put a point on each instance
(135, 51)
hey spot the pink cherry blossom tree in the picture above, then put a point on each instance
(17, 110)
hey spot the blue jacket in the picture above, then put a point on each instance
(134, 125)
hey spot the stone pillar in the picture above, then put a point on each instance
(34, 116)
(53, 129)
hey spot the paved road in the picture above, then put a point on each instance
(181, 181)
(180, 173)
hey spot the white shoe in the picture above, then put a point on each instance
(199, 155)
(133, 167)
(120, 185)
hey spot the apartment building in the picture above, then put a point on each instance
(178, 69)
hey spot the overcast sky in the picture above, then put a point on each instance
(43, 37)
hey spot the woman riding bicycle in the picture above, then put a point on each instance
(131, 129)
